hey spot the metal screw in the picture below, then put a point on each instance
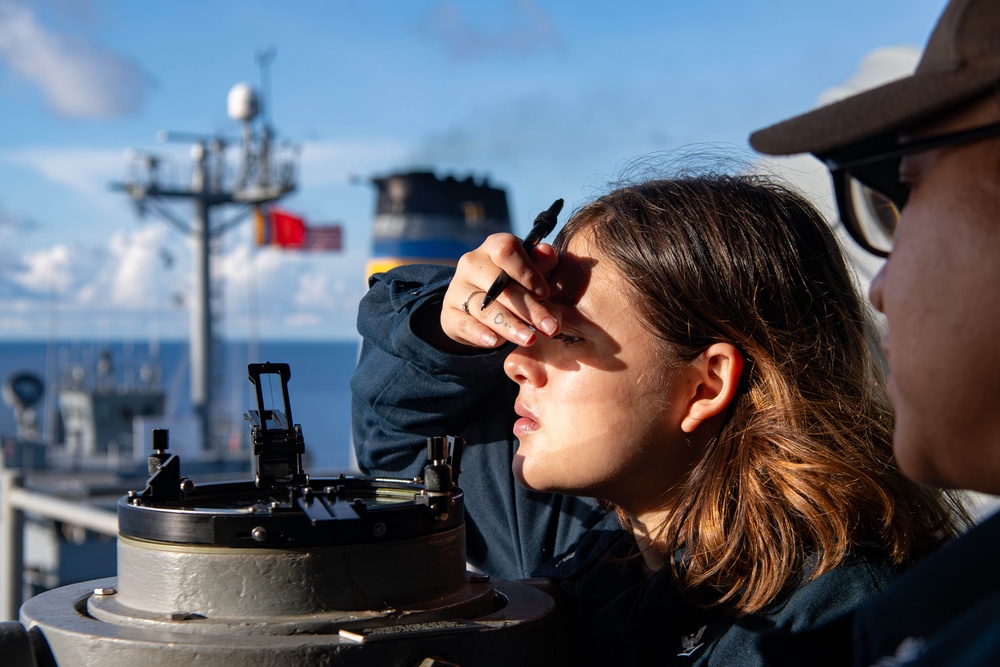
(187, 486)
(105, 591)
(259, 533)
(378, 529)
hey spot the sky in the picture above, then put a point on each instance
(546, 98)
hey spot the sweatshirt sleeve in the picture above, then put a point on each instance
(404, 389)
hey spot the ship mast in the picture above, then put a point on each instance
(263, 176)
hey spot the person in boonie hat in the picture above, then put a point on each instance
(916, 172)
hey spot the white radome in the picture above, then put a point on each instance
(242, 104)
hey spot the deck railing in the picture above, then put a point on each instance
(15, 501)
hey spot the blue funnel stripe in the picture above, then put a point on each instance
(421, 249)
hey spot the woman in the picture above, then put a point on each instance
(694, 356)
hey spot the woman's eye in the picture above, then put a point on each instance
(567, 340)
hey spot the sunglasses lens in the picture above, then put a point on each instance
(875, 214)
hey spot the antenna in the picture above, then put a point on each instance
(264, 59)
(264, 175)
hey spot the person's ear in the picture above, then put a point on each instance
(714, 376)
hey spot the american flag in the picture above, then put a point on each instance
(327, 237)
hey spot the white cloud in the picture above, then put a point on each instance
(136, 267)
(87, 171)
(321, 291)
(50, 270)
(77, 77)
(261, 270)
(12, 229)
(126, 275)
(304, 320)
(878, 67)
(286, 292)
(17, 325)
(810, 176)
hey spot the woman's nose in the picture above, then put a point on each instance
(522, 367)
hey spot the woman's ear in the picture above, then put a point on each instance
(714, 376)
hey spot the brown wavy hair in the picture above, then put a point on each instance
(801, 474)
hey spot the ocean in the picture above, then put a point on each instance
(318, 390)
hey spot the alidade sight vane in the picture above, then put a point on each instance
(278, 445)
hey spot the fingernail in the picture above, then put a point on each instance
(488, 339)
(548, 325)
(540, 292)
(525, 336)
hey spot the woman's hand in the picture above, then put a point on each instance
(517, 312)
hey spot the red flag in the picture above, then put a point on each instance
(288, 229)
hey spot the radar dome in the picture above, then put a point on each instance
(242, 102)
(23, 390)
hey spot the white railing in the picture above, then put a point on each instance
(15, 501)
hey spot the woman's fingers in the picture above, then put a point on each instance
(463, 325)
(545, 259)
(509, 256)
(471, 324)
(517, 312)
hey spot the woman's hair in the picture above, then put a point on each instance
(802, 472)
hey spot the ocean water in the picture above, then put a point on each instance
(318, 389)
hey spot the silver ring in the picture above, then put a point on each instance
(465, 305)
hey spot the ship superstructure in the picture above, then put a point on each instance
(420, 218)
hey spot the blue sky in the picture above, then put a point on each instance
(548, 98)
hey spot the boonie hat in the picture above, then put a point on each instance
(961, 62)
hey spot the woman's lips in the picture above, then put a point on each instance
(528, 423)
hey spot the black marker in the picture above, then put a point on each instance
(544, 224)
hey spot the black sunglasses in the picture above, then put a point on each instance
(869, 194)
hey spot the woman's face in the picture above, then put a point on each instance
(600, 409)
